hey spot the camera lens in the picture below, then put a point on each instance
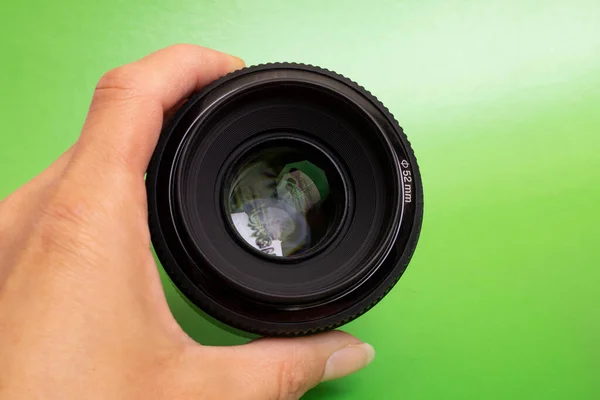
(284, 200)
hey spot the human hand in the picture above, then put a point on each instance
(82, 310)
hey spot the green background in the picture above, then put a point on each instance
(501, 100)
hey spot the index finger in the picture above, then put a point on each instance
(129, 102)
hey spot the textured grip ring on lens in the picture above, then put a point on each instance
(284, 199)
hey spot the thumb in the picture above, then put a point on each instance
(287, 368)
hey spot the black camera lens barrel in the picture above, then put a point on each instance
(318, 169)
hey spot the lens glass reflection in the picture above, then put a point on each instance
(277, 199)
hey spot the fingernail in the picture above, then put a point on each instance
(348, 360)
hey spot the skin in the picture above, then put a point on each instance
(82, 310)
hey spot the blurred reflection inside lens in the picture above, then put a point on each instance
(278, 200)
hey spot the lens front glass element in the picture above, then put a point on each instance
(281, 198)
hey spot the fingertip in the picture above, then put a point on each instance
(236, 63)
(348, 360)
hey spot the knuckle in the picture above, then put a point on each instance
(66, 210)
(181, 48)
(65, 225)
(292, 378)
(119, 82)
